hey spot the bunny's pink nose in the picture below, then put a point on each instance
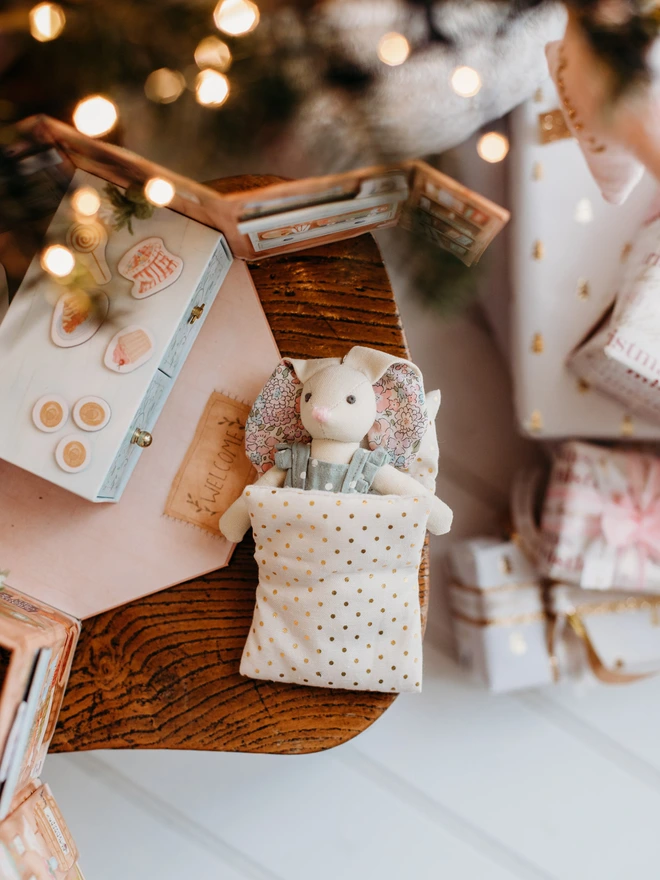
(321, 413)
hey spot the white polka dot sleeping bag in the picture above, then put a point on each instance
(347, 457)
(338, 598)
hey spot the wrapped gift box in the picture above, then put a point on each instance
(616, 637)
(498, 616)
(568, 253)
(120, 348)
(622, 357)
(37, 643)
(601, 519)
(35, 841)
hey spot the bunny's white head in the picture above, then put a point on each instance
(338, 403)
(338, 400)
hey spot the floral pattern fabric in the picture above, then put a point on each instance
(401, 421)
(275, 418)
(399, 427)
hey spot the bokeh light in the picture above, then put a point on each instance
(212, 88)
(164, 85)
(159, 191)
(493, 146)
(465, 81)
(95, 116)
(86, 201)
(58, 260)
(213, 52)
(393, 49)
(47, 21)
(236, 17)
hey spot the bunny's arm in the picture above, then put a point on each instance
(235, 521)
(390, 481)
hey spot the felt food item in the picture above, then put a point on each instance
(613, 166)
(73, 453)
(50, 412)
(129, 349)
(91, 413)
(337, 603)
(89, 239)
(77, 316)
(338, 524)
(150, 266)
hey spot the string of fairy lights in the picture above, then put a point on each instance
(96, 115)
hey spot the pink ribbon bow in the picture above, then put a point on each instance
(625, 524)
(630, 527)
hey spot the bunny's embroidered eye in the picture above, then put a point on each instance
(350, 398)
(308, 396)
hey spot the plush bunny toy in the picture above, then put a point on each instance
(339, 522)
(329, 409)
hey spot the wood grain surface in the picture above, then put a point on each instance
(162, 672)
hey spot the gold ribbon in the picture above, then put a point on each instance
(500, 588)
(513, 620)
(598, 668)
(615, 606)
(574, 620)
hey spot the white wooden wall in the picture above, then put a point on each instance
(454, 784)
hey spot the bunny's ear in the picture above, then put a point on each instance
(373, 363)
(275, 417)
(402, 418)
(305, 369)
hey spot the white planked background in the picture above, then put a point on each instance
(451, 785)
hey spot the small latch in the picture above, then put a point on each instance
(196, 313)
(142, 438)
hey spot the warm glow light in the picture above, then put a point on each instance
(95, 115)
(159, 191)
(466, 82)
(164, 85)
(58, 260)
(393, 49)
(47, 21)
(86, 201)
(493, 147)
(236, 17)
(212, 88)
(212, 52)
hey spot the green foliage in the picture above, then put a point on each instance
(132, 203)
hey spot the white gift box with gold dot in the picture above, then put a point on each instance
(568, 254)
(498, 616)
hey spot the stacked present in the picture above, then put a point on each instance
(579, 593)
(37, 643)
(578, 589)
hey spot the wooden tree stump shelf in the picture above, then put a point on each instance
(162, 672)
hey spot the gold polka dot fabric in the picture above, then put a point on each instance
(337, 603)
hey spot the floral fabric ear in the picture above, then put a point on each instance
(424, 466)
(275, 418)
(402, 419)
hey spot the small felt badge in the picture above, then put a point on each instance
(215, 470)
